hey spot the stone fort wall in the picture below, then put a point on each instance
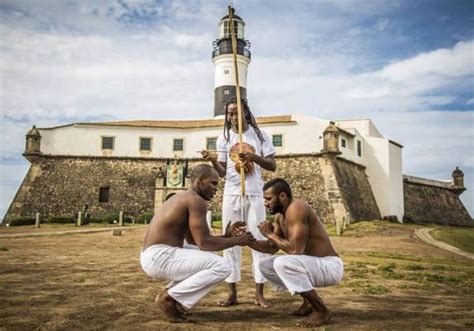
(428, 202)
(62, 186)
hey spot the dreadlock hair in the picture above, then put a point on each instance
(248, 117)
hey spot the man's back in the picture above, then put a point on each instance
(171, 223)
(317, 239)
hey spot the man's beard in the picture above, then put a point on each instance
(207, 198)
(278, 208)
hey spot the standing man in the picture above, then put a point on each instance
(311, 260)
(258, 153)
(192, 271)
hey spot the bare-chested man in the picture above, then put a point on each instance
(311, 261)
(192, 271)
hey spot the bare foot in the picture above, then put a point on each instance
(262, 302)
(181, 309)
(315, 319)
(168, 306)
(304, 310)
(231, 301)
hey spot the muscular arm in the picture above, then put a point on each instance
(267, 163)
(267, 246)
(218, 165)
(200, 230)
(297, 231)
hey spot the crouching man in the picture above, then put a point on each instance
(192, 271)
(311, 261)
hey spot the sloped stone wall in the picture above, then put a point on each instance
(62, 186)
(356, 191)
(431, 204)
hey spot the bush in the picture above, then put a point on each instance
(96, 220)
(111, 217)
(61, 220)
(22, 220)
(146, 216)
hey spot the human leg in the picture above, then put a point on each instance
(231, 214)
(198, 273)
(267, 269)
(300, 274)
(192, 271)
(255, 215)
(320, 313)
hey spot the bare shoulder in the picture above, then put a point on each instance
(298, 210)
(192, 199)
(298, 206)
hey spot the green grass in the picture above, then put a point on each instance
(216, 225)
(462, 238)
(365, 287)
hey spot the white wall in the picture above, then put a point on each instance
(396, 181)
(377, 159)
(226, 61)
(350, 151)
(364, 126)
(384, 170)
(304, 135)
(86, 140)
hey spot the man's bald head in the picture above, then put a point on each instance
(202, 171)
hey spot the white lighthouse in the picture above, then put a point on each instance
(224, 81)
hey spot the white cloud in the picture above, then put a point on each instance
(455, 62)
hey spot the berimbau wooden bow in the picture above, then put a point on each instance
(239, 104)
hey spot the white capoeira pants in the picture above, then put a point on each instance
(193, 272)
(254, 214)
(301, 273)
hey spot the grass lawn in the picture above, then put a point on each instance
(462, 238)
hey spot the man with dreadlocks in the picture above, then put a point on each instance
(258, 153)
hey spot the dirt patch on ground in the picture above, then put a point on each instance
(93, 281)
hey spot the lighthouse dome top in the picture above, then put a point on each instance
(235, 17)
(224, 27)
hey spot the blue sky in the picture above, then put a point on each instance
(407, 65)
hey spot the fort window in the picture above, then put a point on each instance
(343, 142)
(108, 142)
(226, 91)
(226, 71)
(145, 144)
(211, 144)
(104, 194)
(359, 148)
(277, 140)
(178, 145)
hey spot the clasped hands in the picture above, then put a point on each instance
(239, 229)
